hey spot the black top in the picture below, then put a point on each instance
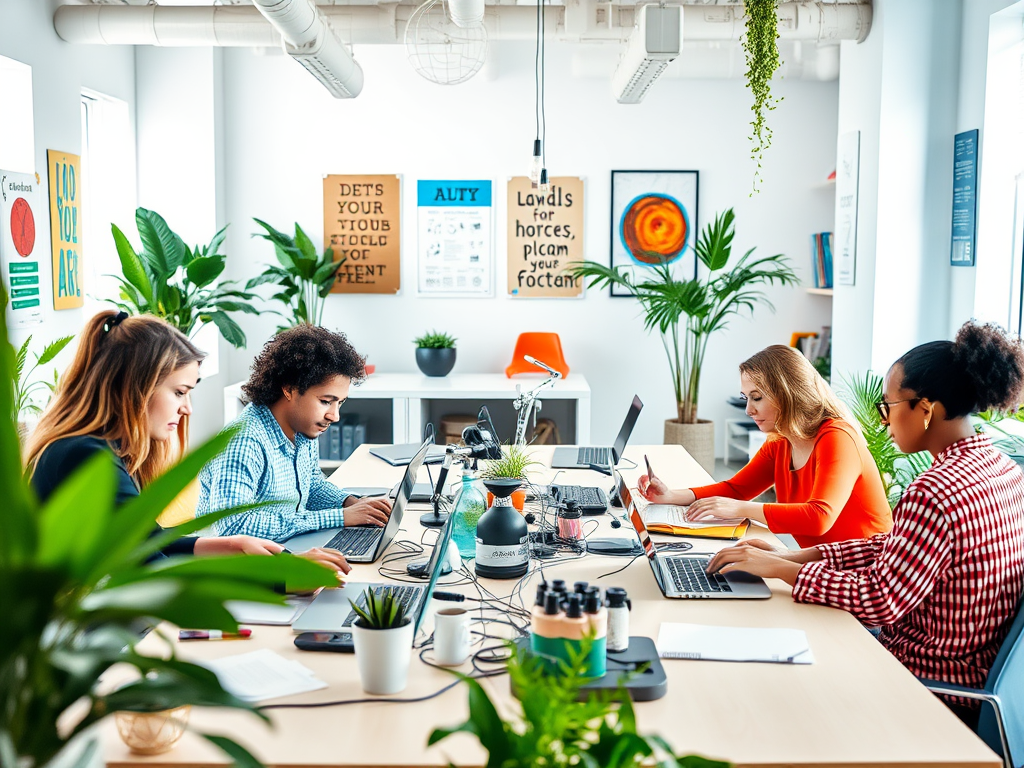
(62, 457)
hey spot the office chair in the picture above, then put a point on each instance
(1001, 724)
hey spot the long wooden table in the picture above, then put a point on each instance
(854, 706)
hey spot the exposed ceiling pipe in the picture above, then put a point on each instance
(243, 26)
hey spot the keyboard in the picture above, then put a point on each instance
(602, 456)
(585, 496)
(356, 540)
(688, 575)
(406, 596)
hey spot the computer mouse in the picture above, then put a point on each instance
(616, 523)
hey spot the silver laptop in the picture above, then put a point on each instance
(574, 457)
(365, 543)
(331, 611)
(684, 576)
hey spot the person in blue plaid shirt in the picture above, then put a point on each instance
(298, 384)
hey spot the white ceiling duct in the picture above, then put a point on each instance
(312, 42)
(586, 21)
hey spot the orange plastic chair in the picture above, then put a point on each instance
(546, 347)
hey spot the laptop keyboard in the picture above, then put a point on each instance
(583, 495)
(602, 456)
(406, 597)
(688, 575)
(355, 540)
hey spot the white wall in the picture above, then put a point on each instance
(284, 132)
(59, 73)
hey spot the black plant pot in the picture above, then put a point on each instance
(435, 362)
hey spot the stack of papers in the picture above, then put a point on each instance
(263, 674)
(695, 641)
(668, 518)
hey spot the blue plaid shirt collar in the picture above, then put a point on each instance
(276, 435)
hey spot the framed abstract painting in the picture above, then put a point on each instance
(654, 221)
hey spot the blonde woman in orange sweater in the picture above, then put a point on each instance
(827, 485)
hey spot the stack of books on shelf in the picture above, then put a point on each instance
(814, 346)
(821, 258)
(342, 438)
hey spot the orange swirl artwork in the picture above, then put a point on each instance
(654, 229)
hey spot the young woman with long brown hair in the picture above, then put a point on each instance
(128, 392)
(826, 484)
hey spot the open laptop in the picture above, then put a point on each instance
(574, 457)
(683, 576)
(330, 610)
(365, 543)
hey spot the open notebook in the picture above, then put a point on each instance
(670, 519)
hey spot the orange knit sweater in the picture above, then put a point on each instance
(837, 495)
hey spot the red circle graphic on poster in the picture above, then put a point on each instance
(23, 227)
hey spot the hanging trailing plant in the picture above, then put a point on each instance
(760, 43)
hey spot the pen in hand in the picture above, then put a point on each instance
(650, 472)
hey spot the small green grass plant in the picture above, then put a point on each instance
(513, 463)
(435, 340)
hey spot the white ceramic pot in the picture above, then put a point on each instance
(383, 657)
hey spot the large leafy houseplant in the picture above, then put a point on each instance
(897, 469)
(74, 581)
(303, 277)
(688, 312)
(556, 729)
(170, 280)
(760, 45)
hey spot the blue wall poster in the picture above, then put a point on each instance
(965, 198)
(455, 249)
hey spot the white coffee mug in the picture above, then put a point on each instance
(451, 636)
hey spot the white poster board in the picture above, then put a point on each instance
(455, 249)
(847, 179)
(24, 248)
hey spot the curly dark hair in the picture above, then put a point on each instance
(302, 357)
(982, 369)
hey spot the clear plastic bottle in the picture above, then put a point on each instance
(469, 506)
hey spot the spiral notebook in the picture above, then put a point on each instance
(671, 519)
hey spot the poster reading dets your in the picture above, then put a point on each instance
(545, 234)
(362, 225)
(21, 246)
(66, 228)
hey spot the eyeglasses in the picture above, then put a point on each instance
(883, 407)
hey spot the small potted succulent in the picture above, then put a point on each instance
(435, 353)
(512, 465)
(382, 636)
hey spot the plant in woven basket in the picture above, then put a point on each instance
(513, 463)
(760, 44)
(382, 611)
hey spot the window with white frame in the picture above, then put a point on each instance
(108, 191)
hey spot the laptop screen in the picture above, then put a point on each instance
(435, 566)
(619, 447)
(404, 492)
(641, 530)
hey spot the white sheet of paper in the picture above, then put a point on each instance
(263, 674)
(673, 515)
(246, 612)
(697, 641)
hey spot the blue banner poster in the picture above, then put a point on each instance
(455, 249)
(965, 198)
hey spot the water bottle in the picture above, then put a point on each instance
(469, 506)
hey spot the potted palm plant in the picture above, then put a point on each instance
(382, 636)
(435, 353)
(303, 277)
(180, 284)
(688, 312)
(75, 584)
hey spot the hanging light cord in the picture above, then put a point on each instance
(543, 116)
(536, 72)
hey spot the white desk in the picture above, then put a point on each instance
(855, 706)
(411, 394)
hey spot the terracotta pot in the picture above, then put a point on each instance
(518, 499)
(698, 440)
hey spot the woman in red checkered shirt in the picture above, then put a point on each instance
(944, 584)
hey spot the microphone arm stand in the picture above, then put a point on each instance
(438, 518)
(526, 402)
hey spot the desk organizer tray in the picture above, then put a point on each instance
(648, 685)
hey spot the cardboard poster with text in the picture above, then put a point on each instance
(362, 224)
(545, 234)
(65, 171)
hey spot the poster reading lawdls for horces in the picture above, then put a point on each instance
(21, 213)
(66, 228)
